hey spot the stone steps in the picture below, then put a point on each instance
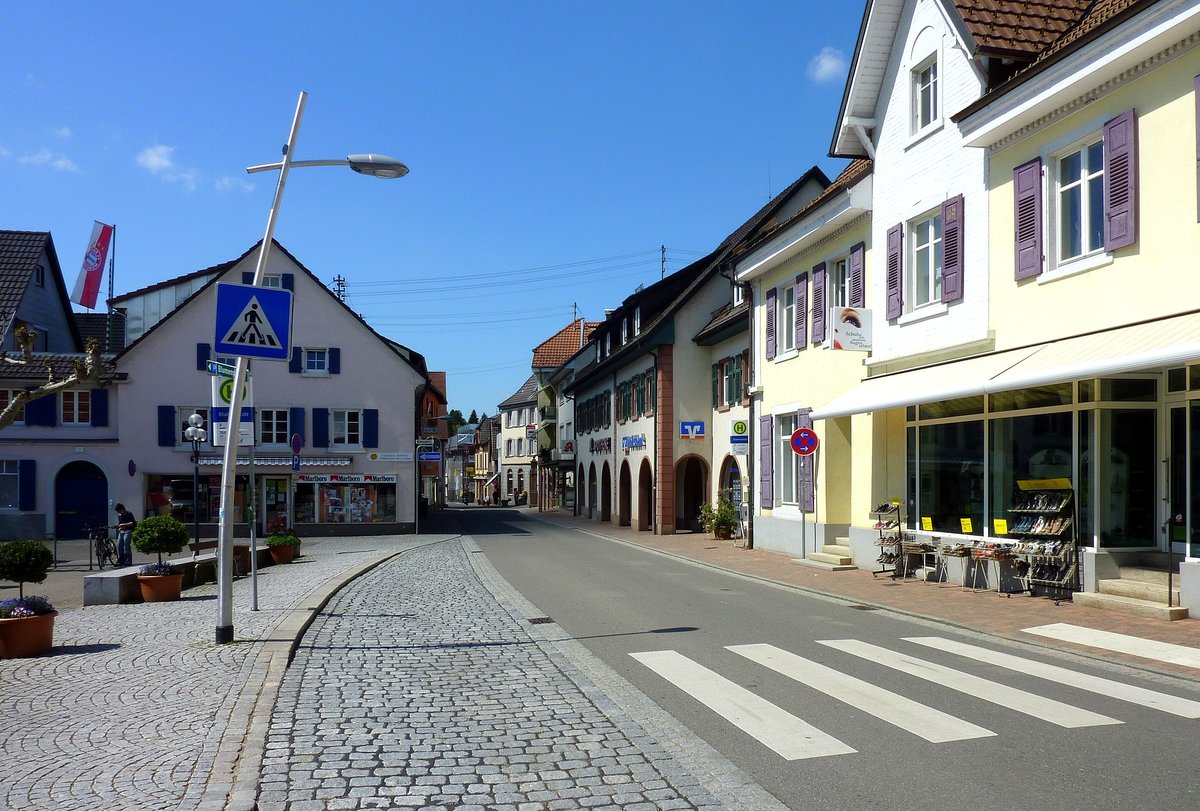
(1130, 605)
(832, 558)
(1140, 590)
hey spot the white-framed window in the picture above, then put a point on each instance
(739, 294)
(273, 280)
(1079, 200)
(181, 419)
(6, 397)
(925, 94)
(520, 446)
(76, 407)
(637, 321)
(785, 326)
(624, 331)
(607, 344)
(347, 427)
(316, 361)
(785, 460)
(508, 447)
(731, 370)
(837, 282)
(10, 484)
(924, 282)
(273, 426)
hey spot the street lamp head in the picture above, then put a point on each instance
(377, 165)
(196, 421)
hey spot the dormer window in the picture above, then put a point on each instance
(739, 294)
(637, 321)
(624, 331)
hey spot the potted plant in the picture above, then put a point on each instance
(719, 519)
(158, 534)
(283, 546)
(26, 623)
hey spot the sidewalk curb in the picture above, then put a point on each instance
(1043, 644)
(232, 784)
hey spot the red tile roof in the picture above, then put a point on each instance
(558, 348)
(1021, 27)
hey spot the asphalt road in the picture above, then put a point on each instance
(819, 741)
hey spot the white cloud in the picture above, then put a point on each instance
(156, 158)
(159, 160)
(228, 183)
(55, 160)
(5, 152)
(827, 66)
(63, 132)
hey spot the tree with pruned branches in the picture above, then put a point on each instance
(86, 369)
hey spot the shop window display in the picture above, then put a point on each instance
(345, 499)
(1026, 447)
(950, 476)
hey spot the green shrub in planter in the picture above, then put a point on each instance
(159, 534)
(720, 519)
(282, 539)
(25, 562)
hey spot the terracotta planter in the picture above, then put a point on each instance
(160, 588)
(723, 534)
(26, 636)
(283, 553)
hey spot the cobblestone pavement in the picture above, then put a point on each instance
(137, 708)
(424, 686)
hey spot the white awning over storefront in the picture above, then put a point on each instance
(1147, 346)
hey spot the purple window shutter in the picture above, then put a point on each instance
(766, 461)
(771, 294)
(1120, 181)
(952, 249)
(818, 305)
(801, 316)
(858, 275)
(895, 271)
(806, 493)
(1027, 193)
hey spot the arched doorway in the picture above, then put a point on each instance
(624, 495)
(605, 493)
(591, 502)
(691, 480)
(645, 497)
(730, 481)
(80, 499)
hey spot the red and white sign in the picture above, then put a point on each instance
(805, 441)
(87, 286)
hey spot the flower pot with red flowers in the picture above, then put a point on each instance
(159, 582)
(26, 623)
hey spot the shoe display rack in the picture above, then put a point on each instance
(891, 538)
(1043, 522)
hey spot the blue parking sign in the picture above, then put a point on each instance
(253, 322)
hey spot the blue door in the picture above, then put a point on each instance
(80, 499)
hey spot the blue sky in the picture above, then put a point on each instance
(554, 147)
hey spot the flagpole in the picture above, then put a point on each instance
(112, 269)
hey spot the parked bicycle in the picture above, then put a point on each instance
(104, 547)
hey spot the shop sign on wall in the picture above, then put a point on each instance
(600, 445)
(635, 442)
(346, 478)
(851, 328)
(691, 430)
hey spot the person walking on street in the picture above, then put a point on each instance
(125, 525)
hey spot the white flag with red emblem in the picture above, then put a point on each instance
(87, 286)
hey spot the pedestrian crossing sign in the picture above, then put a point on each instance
(253, 322)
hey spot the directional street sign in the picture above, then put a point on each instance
(429, 456)
(221, 369)
(253, 322)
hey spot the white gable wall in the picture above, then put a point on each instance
(915, 175)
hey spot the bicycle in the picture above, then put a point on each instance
(104, 547)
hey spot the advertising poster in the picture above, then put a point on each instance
(851, 327)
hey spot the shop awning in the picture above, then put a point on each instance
(1146, 346)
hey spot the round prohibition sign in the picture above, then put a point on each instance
(805, 441)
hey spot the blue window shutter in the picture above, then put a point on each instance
(801, 317)
(99, 408)
(818, 305)
(895, 272)
(27, 485)
(320, 427)
(335, 361)
(771, 295)
(296, 361)
(1120, 181)
(296, 422)
(247, 277)
(952, 249)
(858, 275)
(370, 436)
(203, 352)
(289, 281)
(1027, 196)
(166, 426)
(766, 461)
(42, 411)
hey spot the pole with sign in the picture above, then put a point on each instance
(804, 443)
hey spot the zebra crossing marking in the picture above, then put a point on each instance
(1056, 712)
(1121, 643)
(774, 727)
(1153, 699)
(932, 725)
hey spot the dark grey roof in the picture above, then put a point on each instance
(19, 252)
(526, 394)
(61, 364)
(107, 328)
